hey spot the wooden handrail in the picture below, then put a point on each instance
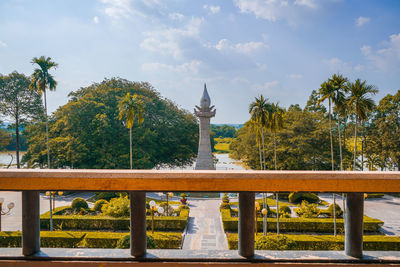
(212, 181)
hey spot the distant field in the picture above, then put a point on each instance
(222, 145)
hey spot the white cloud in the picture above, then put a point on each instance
(274, 10)
(187, 67)
(170, 40)
(360, 21)
(3, 44)
(307, 3)
(176, 16)
(212, 9)
(117, 9)
(239, 80)
(228, 46)
(336, 65)
(295, 76)
(267, 85)
(96, 19)
(386, 58)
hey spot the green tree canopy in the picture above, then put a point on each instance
(86, 132)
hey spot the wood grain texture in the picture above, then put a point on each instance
(214, 181)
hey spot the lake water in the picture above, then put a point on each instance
(5, 158)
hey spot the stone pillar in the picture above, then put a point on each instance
(354, 227)
(205, 112)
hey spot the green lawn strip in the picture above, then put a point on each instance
(74, 239)
(330, 242)
(300, 225)
(102, 222)
(271, 202)
(158, 201)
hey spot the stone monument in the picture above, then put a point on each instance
(205, 112)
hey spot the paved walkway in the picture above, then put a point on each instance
(386, 209)
(13, 220)
(205, 229)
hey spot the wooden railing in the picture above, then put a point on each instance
(138, 182)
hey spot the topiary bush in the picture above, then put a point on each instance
(306, 210)
(117, 207)
(225, 206)
(273, 242)
(99, 204)
(125, 242)
(106, 195)
(299, 197)
(225, 199)
(79, 203)
(183, 207)
(284, 209)
(338, 211)
(183, 199)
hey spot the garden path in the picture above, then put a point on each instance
(205, 229)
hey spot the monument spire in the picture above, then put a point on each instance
(204, 112)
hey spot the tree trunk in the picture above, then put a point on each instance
(47, 131)
(130, 146)
(275, 150)
(340, 145)
(259, 151)
(330, 135)
(17, 135)
(355, 144)
(262, 137)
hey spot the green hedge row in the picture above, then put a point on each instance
(330, 242)
(101, 222)
(70, 239)
(314, 225)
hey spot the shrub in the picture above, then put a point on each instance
(124, 242)
(225, 206)
(183, 198)
(99, 204)
(375, 195)
(225, 199)
(299, 197)
(118, 207)
(106, 195)
(170, 208)
(306, 210)
(183, 207)
(79, 204)
(284, 209)
(338, 210)
(273, 242)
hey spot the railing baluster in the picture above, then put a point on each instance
(138, 223)
(354, 227)
(30, 222)
(246, 224)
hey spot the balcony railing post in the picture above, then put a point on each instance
(354, 227)
(246, 224)
(30, 222)
(138, 224)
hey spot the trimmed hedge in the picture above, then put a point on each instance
(70, 239)
(327, 242)
(313, 225)
(101, 222)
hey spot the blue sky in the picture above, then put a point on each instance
(240, 48)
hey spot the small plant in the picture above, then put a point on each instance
(99, 204)
(338, 211)
(78, 204)
(273, 242)
(118, 207)
(306, 210)
(183, 198)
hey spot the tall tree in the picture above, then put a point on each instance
(41, 80)
(131, 108)
(18, 103)
(259, 113)
(339, 84)
(360, 104)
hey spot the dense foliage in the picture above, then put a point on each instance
(86, 132)
(223, 131)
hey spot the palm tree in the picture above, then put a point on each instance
(275, 124)
(254, 127)
(41, 80)
(131, 108)
(339, 84)
(328, 91)
(360, 104)
(260, 112)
